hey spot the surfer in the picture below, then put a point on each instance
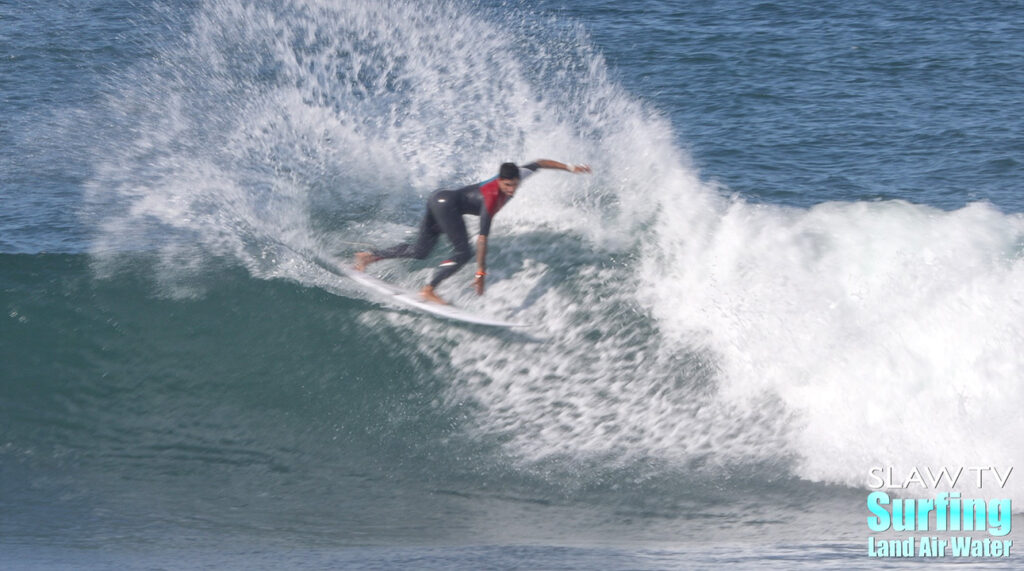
(444, 216)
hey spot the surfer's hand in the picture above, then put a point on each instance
(478, 283)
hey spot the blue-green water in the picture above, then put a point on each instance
(799, 258)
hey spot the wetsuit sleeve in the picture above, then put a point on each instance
(527, 170)
(485, 219)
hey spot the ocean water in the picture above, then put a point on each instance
(797, 266)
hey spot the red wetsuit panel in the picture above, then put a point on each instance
(494, 199)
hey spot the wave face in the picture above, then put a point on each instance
(681, 337)
(675, 324)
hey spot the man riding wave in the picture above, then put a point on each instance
(445, 209)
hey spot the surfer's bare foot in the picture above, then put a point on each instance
(427, 293)
(364, 259)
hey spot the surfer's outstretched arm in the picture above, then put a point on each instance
(550, 164)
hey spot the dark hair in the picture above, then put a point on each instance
(509, 171)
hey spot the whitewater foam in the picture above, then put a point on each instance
(888, 328)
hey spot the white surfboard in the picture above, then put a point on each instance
(412, 299)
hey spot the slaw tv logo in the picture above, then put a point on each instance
(964, 526)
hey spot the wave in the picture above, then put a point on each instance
(679, 326)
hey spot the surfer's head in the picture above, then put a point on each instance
(508, 178)
(508, 171)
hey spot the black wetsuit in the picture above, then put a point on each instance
(444, 216)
